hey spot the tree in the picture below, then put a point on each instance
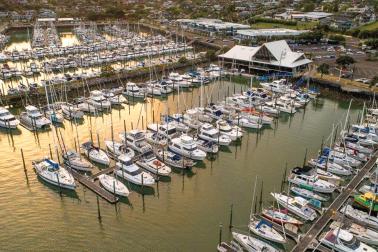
(345, 60)
(323, 69)
(211, 55)
(183, 60)
(308, 7)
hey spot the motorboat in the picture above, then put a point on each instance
(343, 241)
(265, 230)
(360, 216)
(132, 90)
(54, 116)
(114, 99)
(208, 132)
(307, 194)
(207, 146)
(251, 244)
(172, 159)
(126, 169)
(33, 119)
(280, 217)
(74, 160)
(136, 140)
(71, 111)
(363, 234)
(187, 147)
(167, 129)
(85, 106)
(340, 158)
(197, 114)
(175, 122)
(97, 100)
(7, 120)
(116, 149)
(297, 205)
(226, 129)
(232, 247)
(310, 182)
(246, 122)
(95, 154)
(113, 185)
(149, 162)
(368, 201)
(156, 138)
(54, 174)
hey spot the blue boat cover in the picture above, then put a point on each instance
(52, 163)
(261, 222)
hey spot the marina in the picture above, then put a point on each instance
(162, 151)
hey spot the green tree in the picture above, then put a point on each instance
(345, 60)
(183, 60)
(374, 81)
(308, 7)
(211, 55)
(323, 69)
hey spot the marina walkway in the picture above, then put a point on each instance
(90, 183)
(307, 240)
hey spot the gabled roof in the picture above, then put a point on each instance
(280, 50)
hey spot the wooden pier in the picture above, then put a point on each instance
(90, 183)
(330, 213)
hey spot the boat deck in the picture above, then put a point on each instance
(90, 183)
(330, 213)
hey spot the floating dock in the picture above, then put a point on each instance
(89, 182)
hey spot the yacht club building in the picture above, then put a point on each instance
(271, 57)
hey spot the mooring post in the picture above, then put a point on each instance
(231, 209)
(98, 140)
(98, 209)
(220, 233)
(23, 159)
(60, 188)
(57, 154)
(51, 156)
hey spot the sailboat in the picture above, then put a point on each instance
(95, 154)
(252, 244)
(265, 230)
(113, 185)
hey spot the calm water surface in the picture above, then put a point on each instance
(181, 214)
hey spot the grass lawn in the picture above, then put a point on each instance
(369, 27)
(299, 26)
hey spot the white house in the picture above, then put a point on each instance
(270, 57)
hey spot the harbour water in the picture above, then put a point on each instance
(181, 213)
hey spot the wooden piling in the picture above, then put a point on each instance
(231, 210)
(98, 209)
(23, 159)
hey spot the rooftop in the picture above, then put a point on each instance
(270, 32)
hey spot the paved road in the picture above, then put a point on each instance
(320, 224)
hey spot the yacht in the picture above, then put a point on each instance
(310, 182)
(98, 100)
(95, 154)
(136, 140)
(340, 158)
(125, 168)
(167, 129)
(132, 90)
(360, 216)
(71, 112)
(332, 167)
(172, 159)
(156, 138)
(149, 162)
(296, 205)
(54, 116)
(186, 146)
(280, 217)
(178, 81)
(207, 146)
(343, 241)
(113, 185)
(74, 160)
(33, 119)
(231, 131)
(307, 194)
(7, 120)
(116, 149)
(208, 132)
(54, 174)
(114, 99)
